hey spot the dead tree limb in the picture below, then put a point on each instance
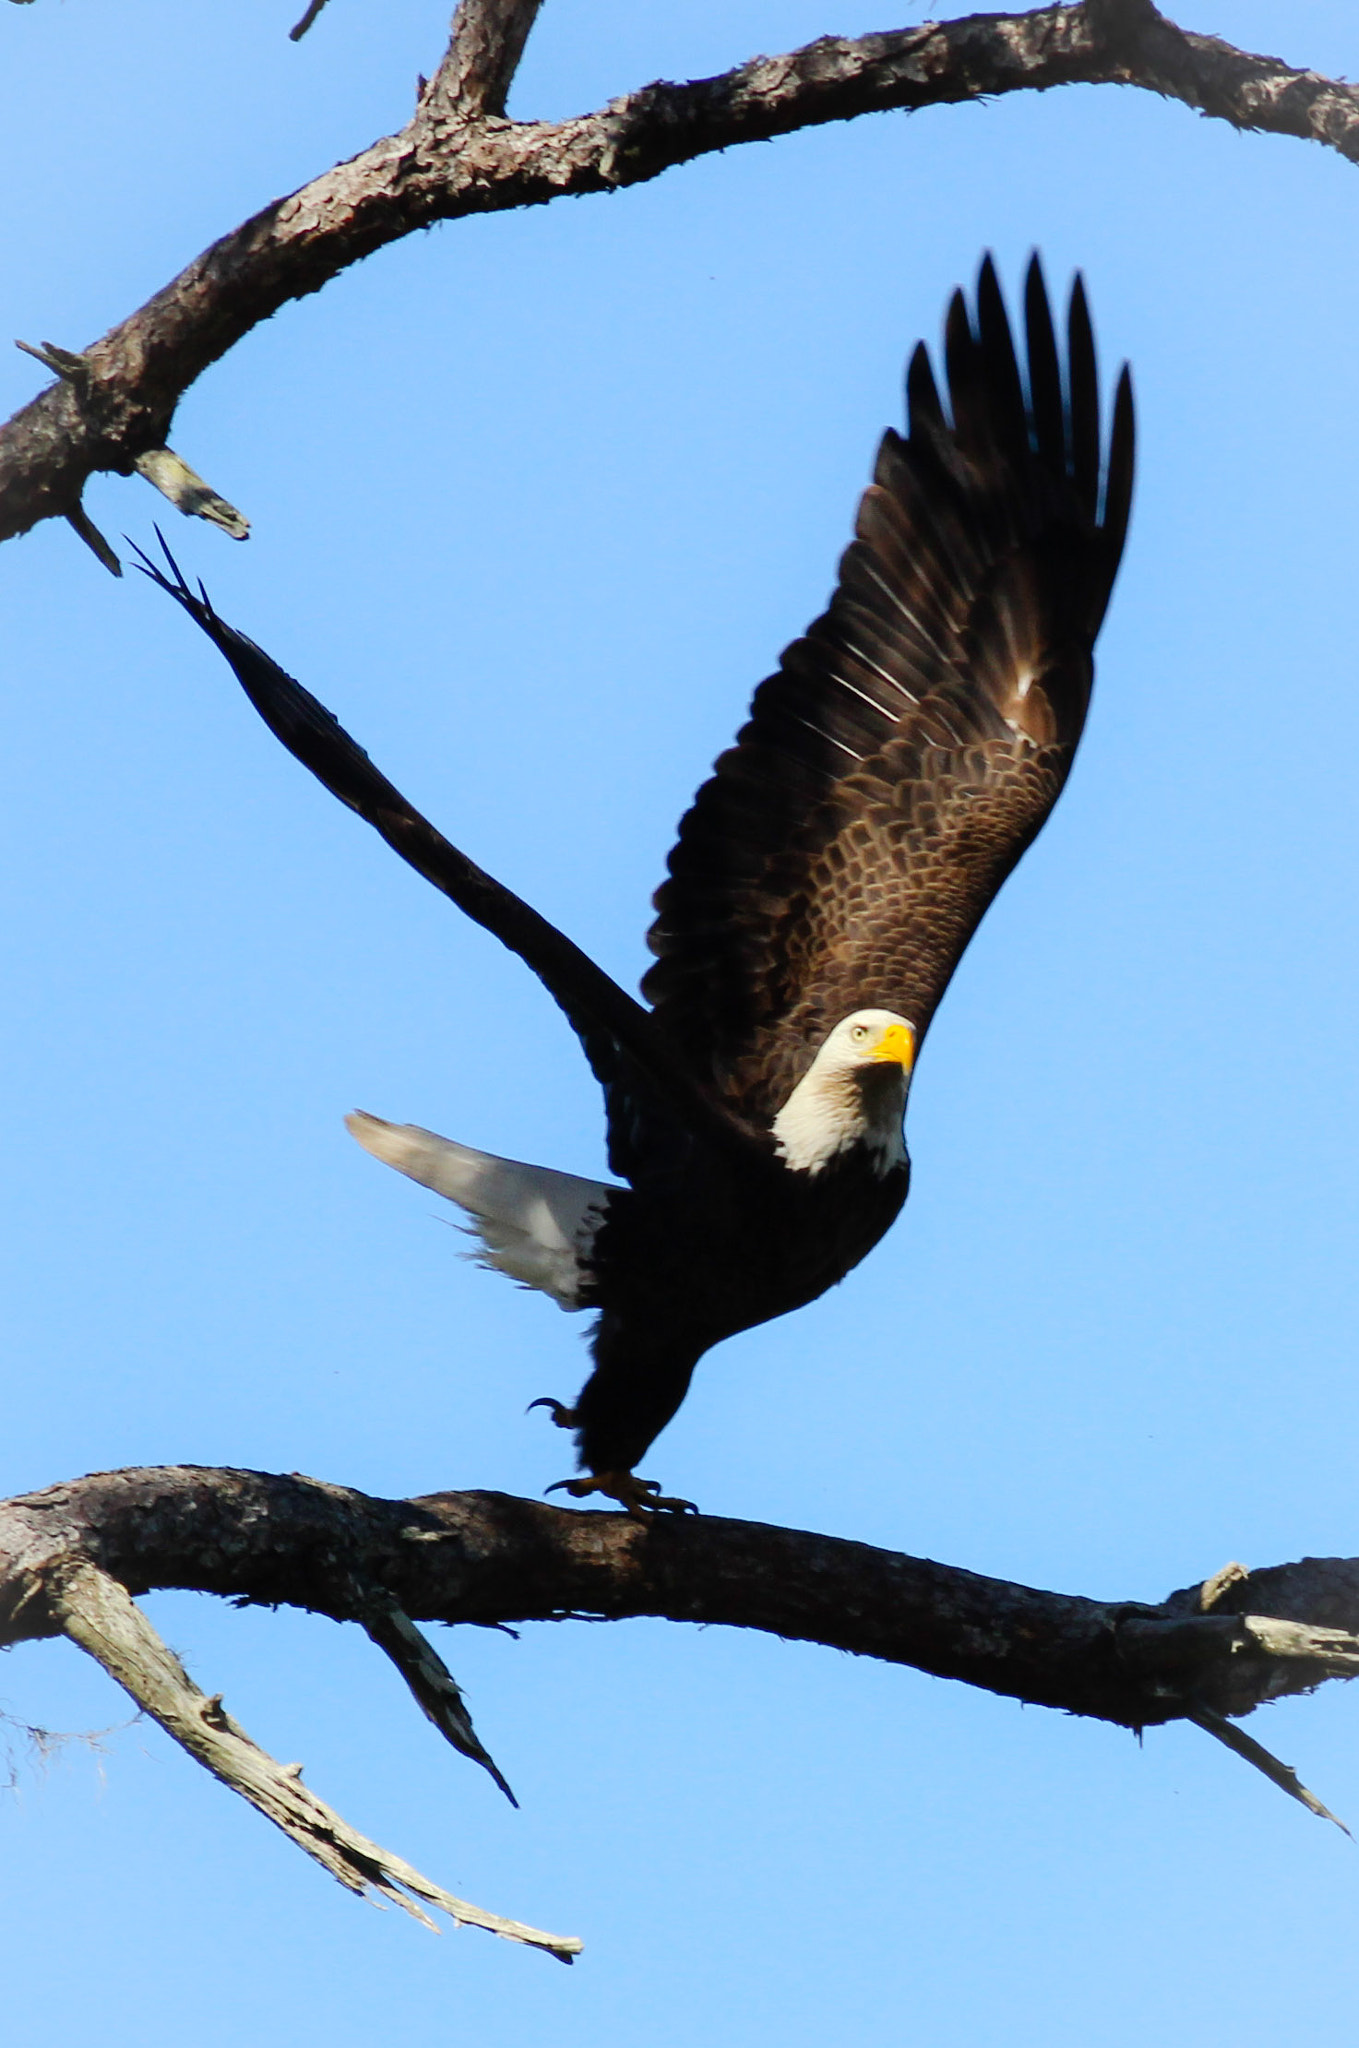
(458, 155)
(72, 1557)
(96, 1611)
(1229, 1643)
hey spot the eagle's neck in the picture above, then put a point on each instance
(833, 1112)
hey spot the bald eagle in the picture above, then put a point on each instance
(820, 894)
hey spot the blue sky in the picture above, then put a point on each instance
(536, 501)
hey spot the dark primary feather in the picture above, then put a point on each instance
(912, 743)
(653, 1105)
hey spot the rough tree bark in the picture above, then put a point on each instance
(71, 1556)
(113, 403)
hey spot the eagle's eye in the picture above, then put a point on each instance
(859, 1033)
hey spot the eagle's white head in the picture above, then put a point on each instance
(854, 1093)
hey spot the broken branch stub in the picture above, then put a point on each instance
(188, 493)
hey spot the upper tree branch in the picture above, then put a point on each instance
(1222, 1648)
(457, 156)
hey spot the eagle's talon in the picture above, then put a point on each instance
(564, 1417)
(641, 1498)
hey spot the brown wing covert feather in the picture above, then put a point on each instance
(911, 744)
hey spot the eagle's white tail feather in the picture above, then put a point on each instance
(534, 1224)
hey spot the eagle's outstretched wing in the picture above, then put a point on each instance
(914, 740)
(652, 1101)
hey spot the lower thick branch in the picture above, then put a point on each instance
(71, 1558)
(487, 1558)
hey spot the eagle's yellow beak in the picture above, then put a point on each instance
(898, 1045)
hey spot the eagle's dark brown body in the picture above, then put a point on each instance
(893, 770)
(700, 1257)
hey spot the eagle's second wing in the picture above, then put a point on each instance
(911, 745)
(653, 1104)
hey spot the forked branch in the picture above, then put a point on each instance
(96, 1611)
(457, 155)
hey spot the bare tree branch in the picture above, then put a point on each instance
(432, 1685)
(188, 493)
(1282, 1775)
(490, 1558)
(81, 523)
(72, 1557)
(457, 156)
(94, 1610)
(483, 55)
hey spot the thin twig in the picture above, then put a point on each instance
(66, 362)
(1280, 1774)
(81, 523)
(433, 1687)
(299, 28)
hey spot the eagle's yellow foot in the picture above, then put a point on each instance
(564, 1417)
(641, 1497)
